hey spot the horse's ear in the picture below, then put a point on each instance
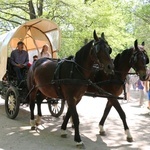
(136, 44)
(143, 43)
(102, 35)
(95, 36)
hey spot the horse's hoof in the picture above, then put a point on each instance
(33, 128)
(129, 139)
(72, 126)
(80, 145)
(37, 124)
(63, 134)
(102, 133)
(64, 117)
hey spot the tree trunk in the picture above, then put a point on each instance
(40, 7)
(32, 10)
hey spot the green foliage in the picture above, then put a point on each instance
(122, 21)
(142, 28)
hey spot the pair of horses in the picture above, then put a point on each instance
(69, 79)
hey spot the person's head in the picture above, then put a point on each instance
(20, 45)
(35, 57)
(45, 48)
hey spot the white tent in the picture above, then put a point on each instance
(34, 33)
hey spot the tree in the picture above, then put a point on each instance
(78, 19)
(142, 24)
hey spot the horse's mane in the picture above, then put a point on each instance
(83, 52)
(70, 57)
(125, 54)
(38, 62)
(116, 60)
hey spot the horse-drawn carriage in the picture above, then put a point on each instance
(72, 75)
(34, 34)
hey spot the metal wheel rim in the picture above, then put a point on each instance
(11, 103)
(56, 107)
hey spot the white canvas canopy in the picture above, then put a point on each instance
(34, 33)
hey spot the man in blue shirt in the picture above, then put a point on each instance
(19, 60)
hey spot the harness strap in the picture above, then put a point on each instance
(33, 87)
(70, 81)
(56, 82)
(110, 82)
(101, 91)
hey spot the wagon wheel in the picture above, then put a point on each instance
(12, 103)
(56, 107)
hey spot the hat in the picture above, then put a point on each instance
(20, 42)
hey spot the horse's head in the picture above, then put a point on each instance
(102, 51)
(139, 60)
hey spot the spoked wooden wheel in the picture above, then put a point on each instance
(12, 103)
(56, 107)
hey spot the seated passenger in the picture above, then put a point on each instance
(19, 60)
(35, 57)
(45, 52)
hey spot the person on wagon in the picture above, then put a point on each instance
(19, 59)
(35, 57)
(45, 52)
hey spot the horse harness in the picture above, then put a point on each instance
(57, 81)
(134, 58)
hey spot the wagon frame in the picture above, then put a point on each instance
(34, 33)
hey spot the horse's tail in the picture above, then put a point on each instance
(28, 93)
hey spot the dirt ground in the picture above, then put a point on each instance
(16, 134)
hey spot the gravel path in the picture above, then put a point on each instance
(16, 134)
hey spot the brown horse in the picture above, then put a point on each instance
(67, 79)
(135, 58)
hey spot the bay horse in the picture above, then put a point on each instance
(67, 79)
(135, 58)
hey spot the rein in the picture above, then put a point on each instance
(69, 80)
(73, 61)
(102, 92)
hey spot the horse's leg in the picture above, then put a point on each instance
(39, 100)
(32, 97)
(122, 115)
(115, 103)
(64, 124)
(73, 112)
(105, 114)
(75, 119)
(32, 121)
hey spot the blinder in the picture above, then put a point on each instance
(96, 44)
(147, 58)
(134, 58)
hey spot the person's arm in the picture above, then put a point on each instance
(147, 86)
(12, 59)
(26, 59)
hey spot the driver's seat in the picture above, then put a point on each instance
(10, 71)
(11, 74)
